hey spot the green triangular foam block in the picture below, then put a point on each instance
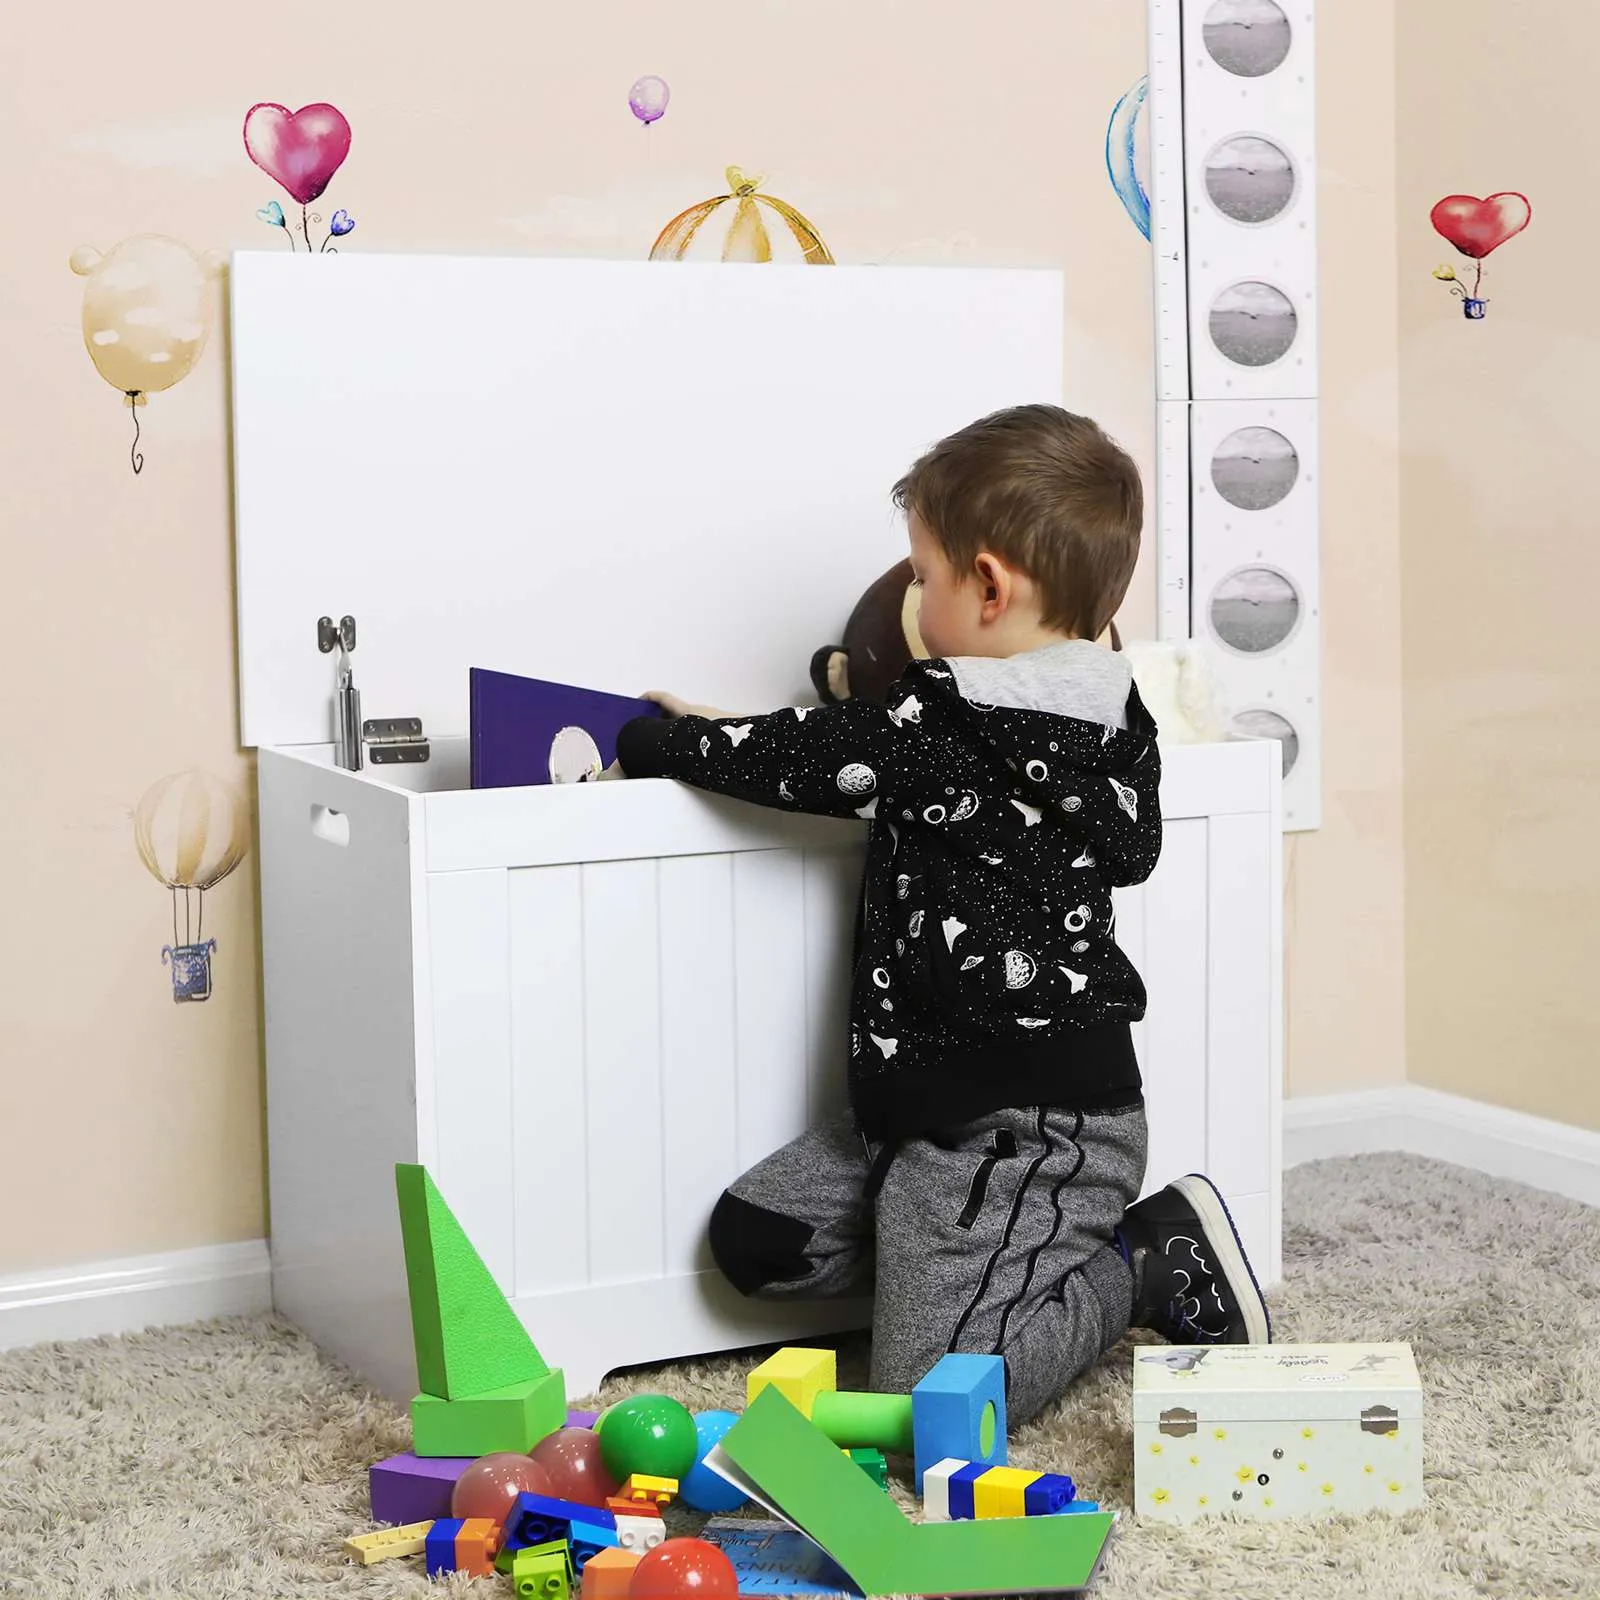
(467, 1337)
(797, 1471)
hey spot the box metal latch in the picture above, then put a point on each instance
(392, 740)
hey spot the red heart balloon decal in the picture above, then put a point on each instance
(300, 149)
(1475, 227)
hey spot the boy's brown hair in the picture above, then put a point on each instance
(1048, 492)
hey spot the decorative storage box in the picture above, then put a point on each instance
(1269, 1431)
(585, 1009)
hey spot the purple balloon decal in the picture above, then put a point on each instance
(648, 98)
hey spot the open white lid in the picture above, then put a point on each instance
(625, 475)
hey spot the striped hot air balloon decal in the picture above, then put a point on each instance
(748, 235)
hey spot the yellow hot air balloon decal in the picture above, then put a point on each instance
(747, 236)
(191, 830)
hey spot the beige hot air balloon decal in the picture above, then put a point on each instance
(147, 312)
(191, 830)
(742, 234)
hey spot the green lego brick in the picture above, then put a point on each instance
(542, 1572)
(515, 1417)
(872, 1463)
(806, 1478)
(468, 1339)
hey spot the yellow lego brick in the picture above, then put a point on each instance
(410, 1540)
(999, 1492)
(798, 1375)
(656, 1491)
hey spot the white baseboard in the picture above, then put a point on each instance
(86, 1301)
(1504, 1144)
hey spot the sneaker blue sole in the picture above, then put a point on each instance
(1228, 1251)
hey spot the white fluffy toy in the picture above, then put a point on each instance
(1177, 688)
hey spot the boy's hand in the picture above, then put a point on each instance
(674, 707)
(612, 773)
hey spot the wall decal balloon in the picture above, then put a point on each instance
(1477, 228)
(301, 150)
(747, 237)
(1128, 155)
(648, 98)
(148, 308)
(191, 830)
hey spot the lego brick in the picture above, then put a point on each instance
(1080, 1508)
(644, 1489)
(963, 1491)
(468, 1339)
(792, 1468)
(877, 1421)
(542, 1573)
(608, 1574)
(441, 1546)
(582, 1419)
(508, 1555)
(413, 1488)
(476, 1546)
(514, 1418)
(999, 1492)
(959, 1409)
(386, 1543)
(872, 1463)
(798, 1374)
(1049, 1493)
(537, 1518)
(936, 1489)
(640, 1533)
(587, 1539)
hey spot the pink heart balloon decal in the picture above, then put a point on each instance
(299, 149)
(1475, 227)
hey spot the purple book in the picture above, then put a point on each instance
(527, 730)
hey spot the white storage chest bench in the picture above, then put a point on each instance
(442, 970)
(619, 474)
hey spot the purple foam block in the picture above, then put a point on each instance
(582, 1419)
(412, 1488)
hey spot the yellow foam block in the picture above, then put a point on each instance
(797, 1374)
(999, 1492)
(410, 1540)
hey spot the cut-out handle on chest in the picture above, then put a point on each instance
(334, 826)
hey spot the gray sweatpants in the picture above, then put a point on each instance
(995, 1237)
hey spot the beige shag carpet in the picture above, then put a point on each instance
(228, 1459)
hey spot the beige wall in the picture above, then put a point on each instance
(1344, 918)
(1501, 567)
(941, 132)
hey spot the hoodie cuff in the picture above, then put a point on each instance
(641, 745)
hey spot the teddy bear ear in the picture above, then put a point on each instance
(830, 674)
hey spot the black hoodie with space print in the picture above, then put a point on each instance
(986, 973)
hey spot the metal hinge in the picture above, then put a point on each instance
(392, 740)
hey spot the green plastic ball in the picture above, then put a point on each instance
(647, 1433)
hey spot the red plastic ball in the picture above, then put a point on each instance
(680, 1567)
(571, 1456)
(492, 1483)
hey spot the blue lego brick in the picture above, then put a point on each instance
(586, 1538)
(1080, 1505)
(948, 1408)
(1045, 1496)
(538, 1518)
(961, 1492)
(440, 1549)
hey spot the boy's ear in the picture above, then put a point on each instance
(993, 578)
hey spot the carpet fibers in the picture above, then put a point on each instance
(229, 1459)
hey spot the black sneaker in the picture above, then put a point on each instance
(1192, 1282)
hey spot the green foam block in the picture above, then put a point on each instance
(468, 1339)
(515, 1417)
(805, 1477)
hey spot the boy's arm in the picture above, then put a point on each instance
(834, 761)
